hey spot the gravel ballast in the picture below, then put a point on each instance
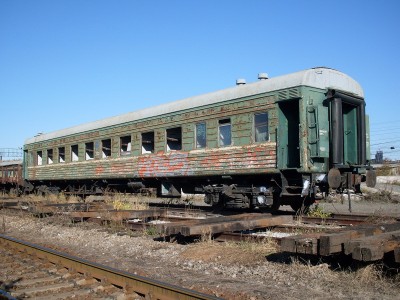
(227, 270)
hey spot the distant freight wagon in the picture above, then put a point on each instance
(287, 140)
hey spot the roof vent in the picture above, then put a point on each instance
(262, 76)
(240, 81)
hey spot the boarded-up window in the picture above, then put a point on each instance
(201, 135)
(74, 153)
(261, 127)
(125, 145)
(106, 148)
(49, 156)
(224, 132)
(61, 154)
(89, 151)
(148, 142)
(174, 138)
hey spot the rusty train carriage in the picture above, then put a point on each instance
(11, 175)
(284, 140)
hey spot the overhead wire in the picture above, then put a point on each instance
(384, 122)
(383, 143)
(385, 137)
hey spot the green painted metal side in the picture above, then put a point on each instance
(303, 131)
(250, 159)
(289, 134)
(242, 157)
(26, 162)
(350, 134)
(316, 112)
(297, 140)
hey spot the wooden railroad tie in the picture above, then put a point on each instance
(224, 224)
(363, 242)
(119, 215)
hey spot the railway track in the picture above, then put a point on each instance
(32, 271)
(350, 234)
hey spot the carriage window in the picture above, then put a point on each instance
(148, 142)
(174, 138)
(39, 158)
(89, 151)
(201, 135)
(61, 154)
(49, 156)
(106, 148)
(224, 133)
(74, 153)
(261, 127)
(125, 145)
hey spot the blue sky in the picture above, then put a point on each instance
(64, 63)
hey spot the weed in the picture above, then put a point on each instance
(266, 246)
(318, 212)
(151, 231)
(119, 204)
(206, 236)
(114, 226)
(125, 202)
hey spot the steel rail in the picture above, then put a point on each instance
(152, 289)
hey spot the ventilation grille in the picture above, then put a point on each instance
(294, 93)
(288, 94)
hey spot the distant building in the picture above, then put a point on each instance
(379, 157)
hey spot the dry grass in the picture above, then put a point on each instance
(358, 282)
(125, 202)
(3, 226)
(7, 195)
(369, 274)
(248, 252)
(376, 276)
(321, 270)
(385, 195)
(52, 198)
(388, 170)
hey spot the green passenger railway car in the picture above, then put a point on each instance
(287, 140)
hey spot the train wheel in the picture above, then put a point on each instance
(276, 201)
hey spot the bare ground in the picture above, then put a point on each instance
(230, 271)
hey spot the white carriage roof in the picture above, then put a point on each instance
(320, 77)
(6, 163)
